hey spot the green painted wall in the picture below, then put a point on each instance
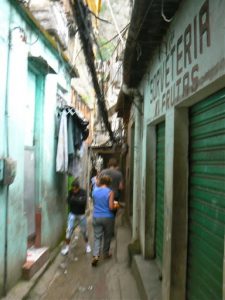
(4, 14)
(51, 187)
(54, 186)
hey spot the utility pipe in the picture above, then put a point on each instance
(137, 98)
(136, 179)
(5, 275)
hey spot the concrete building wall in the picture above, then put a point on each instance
(129, 169)
(188, 60)
(3, 191)
(12, 146)
(53, 185)
(136, 171)
(15, 102)
(20, 38)
(187, 67)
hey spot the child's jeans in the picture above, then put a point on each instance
(76, 220)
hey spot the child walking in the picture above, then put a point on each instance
(77, 201)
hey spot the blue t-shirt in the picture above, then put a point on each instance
(101, 203)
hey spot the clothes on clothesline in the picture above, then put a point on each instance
(62, 147)
(72, 132)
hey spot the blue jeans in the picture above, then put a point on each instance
(72, 220)
(103, 229)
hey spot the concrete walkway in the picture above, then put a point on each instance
(73, 277)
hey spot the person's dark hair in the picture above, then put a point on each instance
(112, 162)
(75, 184)
(93, 172)
(105, 179)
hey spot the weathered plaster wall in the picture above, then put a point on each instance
(13, 92)
(188, 66)
(190, 57)
(53, 193)
(137, 170)
(4, 14)
(12, 142)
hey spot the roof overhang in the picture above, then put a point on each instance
(41, 64)
(149, 23)
(45, 36)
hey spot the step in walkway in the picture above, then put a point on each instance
(36, 258)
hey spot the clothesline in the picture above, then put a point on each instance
(72, 132)
(70, 111)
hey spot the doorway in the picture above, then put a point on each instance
(30, 158)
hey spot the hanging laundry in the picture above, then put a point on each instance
(62, 147)
(72, 132)
(71, 144)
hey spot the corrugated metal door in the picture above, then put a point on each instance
(206, 199)
(160, 163)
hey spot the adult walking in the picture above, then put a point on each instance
(116, 177)
(103, 218)
(77, 201)
(93, 181)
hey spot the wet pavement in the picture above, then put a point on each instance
(73, 277)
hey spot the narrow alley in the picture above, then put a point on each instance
(73, 277)
(121, 102)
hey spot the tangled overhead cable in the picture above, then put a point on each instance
(81, 15)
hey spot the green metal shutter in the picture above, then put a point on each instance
(160, 163)
(206, 199)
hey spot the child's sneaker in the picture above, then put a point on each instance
(88, 248)
(65, 250)
(94, 261)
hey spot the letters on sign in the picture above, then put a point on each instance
(178, 74)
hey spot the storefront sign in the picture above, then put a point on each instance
(186, 66)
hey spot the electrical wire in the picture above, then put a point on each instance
(115, 36)
(163, 15)
(118, 43)
(112, 81)
(115, 23)
(98, 18)
(80, 13)
(143, 20)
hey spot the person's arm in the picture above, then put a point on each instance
(111, 200)
(97, 181)
(121, 185)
